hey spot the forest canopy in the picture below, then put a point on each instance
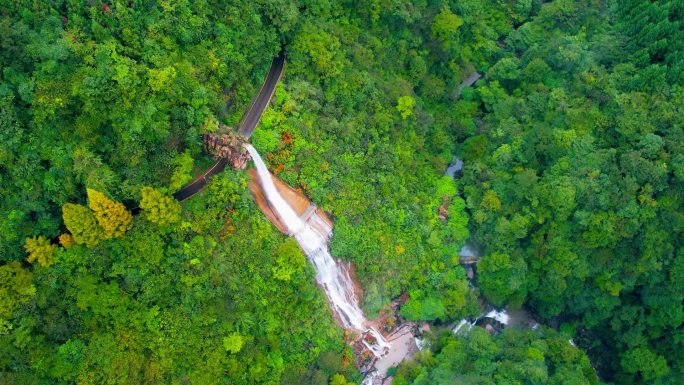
(573, 183)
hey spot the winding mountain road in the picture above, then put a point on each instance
(251, 118)
(247, 124)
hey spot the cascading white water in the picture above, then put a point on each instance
(313, 236)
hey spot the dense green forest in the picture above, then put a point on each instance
(573, 182)
(513, 357)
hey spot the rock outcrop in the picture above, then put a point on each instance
(228, 145)
(298, 201)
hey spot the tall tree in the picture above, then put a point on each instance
(158, 207)
(112, 216)
(82, 224)
(40, 250)
(16, 288)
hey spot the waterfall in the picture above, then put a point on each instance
(313, 236)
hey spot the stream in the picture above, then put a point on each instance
(313, 236)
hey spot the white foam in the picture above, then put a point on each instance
(313, 236)
(500, 316)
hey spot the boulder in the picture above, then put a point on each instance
(228, 145)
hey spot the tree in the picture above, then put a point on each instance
(16, 288)
(82, 224)
(112, 216)
(339, 379)
(643, 360)
(40, 250)
(514, 356)
(422, 306)
(289, 260)
(233, 343)
(66, 240)
(321, 48)
(405, 106)
(502, 278)
(183, 172)
(445, 25)
(159, 208)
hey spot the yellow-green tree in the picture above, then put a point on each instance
(405, 105)
(289, 260)
(111, 215)
(233, 343)
(82, 224)
(40, 250)
(159, 208)
(339, 379)
(16, 288)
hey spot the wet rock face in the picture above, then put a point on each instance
(228, 145)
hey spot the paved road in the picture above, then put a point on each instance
(247, 124)
(251, 118)
(198, 184)
(469, 81)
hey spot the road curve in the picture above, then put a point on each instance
(251, 118)
(246, 127)
(247, 124)
(198, 184)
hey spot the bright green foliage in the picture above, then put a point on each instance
(16, 288)
(40, 250)
(445, 25)
(220, 315)
(513, 357)
(502, 278)
(449, 297)
(82, 224)
(643, 361)
(109, 94)
(158, 207)
(573, 179)
(405, 105)
(233, 343)
(573, 176)
(289, 260)
(321, 48)
(182, 173)
(339, 379)
(112, 216)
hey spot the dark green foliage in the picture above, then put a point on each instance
(362, 125)
(513, 357)
(155, 307)
(113, 95)
(573, 180)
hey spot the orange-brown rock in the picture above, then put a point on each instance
(298, 201)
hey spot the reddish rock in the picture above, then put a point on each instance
(229, 145)
(298, 201)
